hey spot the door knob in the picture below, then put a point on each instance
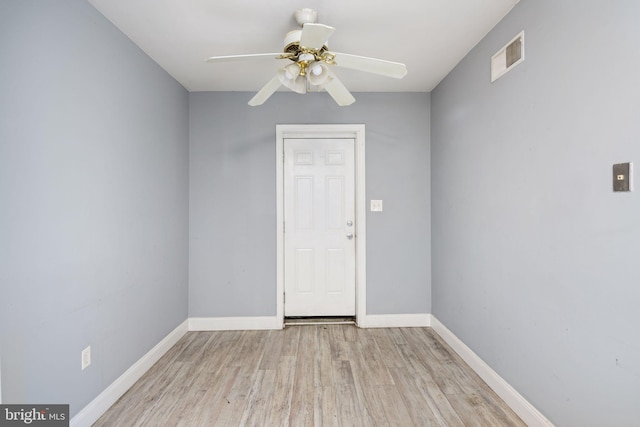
(349, 223)
(349, 236)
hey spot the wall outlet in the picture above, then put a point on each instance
(86, 357)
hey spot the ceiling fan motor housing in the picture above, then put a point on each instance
(292, 45)
(292, 41)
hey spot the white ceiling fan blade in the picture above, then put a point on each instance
(371, 65)
(338, 91)
(315, 36)
(266, 91)
(244, 57)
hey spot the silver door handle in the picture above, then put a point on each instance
(349, 236)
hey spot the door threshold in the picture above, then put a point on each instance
(319, 320)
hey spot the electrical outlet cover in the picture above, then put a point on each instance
(622, 175)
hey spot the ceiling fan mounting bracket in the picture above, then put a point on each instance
(306, 16)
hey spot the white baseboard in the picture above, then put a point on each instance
(525, 410)
(98, 406)
(234, 323)
(395, 320)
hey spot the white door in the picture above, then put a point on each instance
(319, 227)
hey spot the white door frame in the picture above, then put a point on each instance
(355, 131)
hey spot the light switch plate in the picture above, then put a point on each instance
(622, 177)
(86, 358)
(376, 206)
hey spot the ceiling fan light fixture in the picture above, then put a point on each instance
(316, 69)
(319, 73)
(297, 84)
(291, 71)
(306, 57)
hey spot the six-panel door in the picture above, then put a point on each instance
(319, 240)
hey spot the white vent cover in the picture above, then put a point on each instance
(507, 57)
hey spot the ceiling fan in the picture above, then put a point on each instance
(311, 63)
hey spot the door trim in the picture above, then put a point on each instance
(355, 131)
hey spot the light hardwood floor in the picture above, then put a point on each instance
(320, 375)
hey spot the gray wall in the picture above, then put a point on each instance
(534, 257)
(232, 250)
(93, 202)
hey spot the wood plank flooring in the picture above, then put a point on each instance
(316, 375)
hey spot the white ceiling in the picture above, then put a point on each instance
(429, 36)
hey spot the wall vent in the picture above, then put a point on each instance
(507, 57)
